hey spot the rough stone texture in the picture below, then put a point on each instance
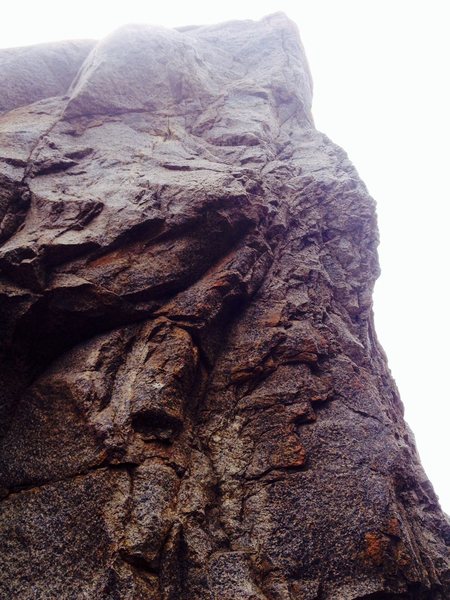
(194, 404)
(36, 72)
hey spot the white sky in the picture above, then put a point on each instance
(381, 79)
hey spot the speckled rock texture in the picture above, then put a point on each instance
(194, 404)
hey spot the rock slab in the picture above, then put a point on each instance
(194, 404)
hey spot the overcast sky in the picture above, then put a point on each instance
(381, 90)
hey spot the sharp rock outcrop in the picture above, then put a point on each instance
(194, 404)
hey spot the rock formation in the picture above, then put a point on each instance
(194, 404)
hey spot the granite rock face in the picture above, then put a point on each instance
(194, 404)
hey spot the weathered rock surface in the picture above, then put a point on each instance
(194, 404)
(36, 72)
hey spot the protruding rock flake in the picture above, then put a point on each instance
(194, 404)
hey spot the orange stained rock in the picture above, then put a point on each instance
(375, 547)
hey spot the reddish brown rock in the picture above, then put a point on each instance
(194, 404)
